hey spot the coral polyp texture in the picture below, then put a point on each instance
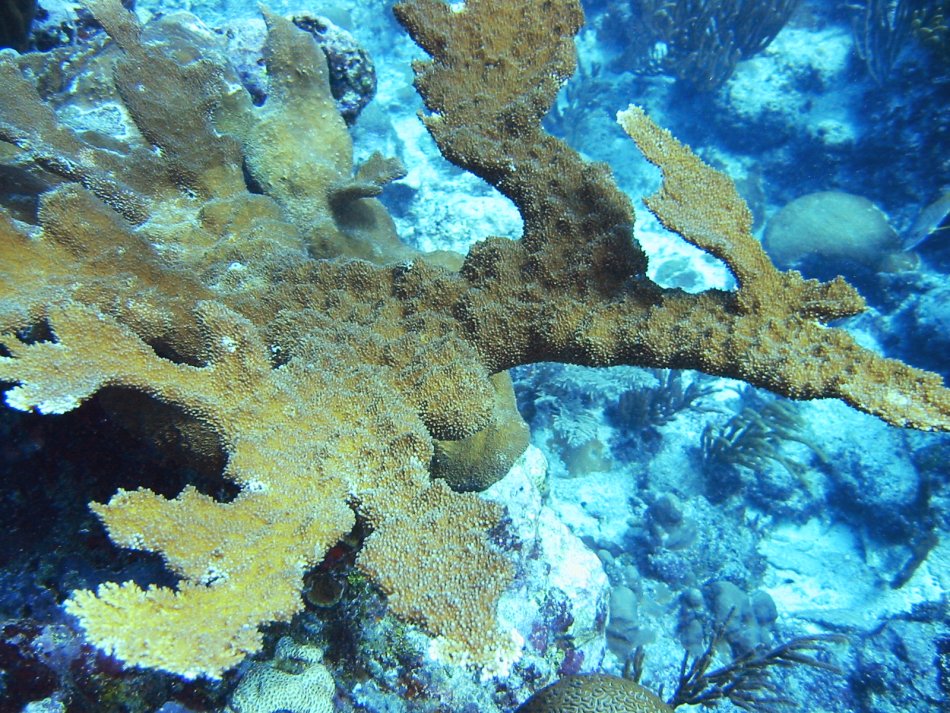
(231, 261)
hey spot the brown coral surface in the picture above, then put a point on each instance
(594, 694)
(326, 357)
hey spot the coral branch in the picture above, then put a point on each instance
(574, 289)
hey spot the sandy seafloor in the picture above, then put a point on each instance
(814, 536)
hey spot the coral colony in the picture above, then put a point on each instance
(230, 260)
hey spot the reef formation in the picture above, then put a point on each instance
(229, 260)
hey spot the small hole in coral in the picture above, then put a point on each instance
(35, 333)
(251, 183)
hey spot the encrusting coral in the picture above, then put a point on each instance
(278, 310)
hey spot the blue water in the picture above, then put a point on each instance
(701, 502)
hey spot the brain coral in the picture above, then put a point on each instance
(595, 694)
(294, 682)
(835, 229)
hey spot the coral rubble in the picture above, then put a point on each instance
(230, 260)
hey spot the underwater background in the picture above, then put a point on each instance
(674, 508)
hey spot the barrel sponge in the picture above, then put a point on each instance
(839, 229)
(594, 694)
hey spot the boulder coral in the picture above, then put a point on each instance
(231, 261)
(595, 694)
(835, 230)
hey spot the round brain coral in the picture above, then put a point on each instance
(594, 694)
(832, 229)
